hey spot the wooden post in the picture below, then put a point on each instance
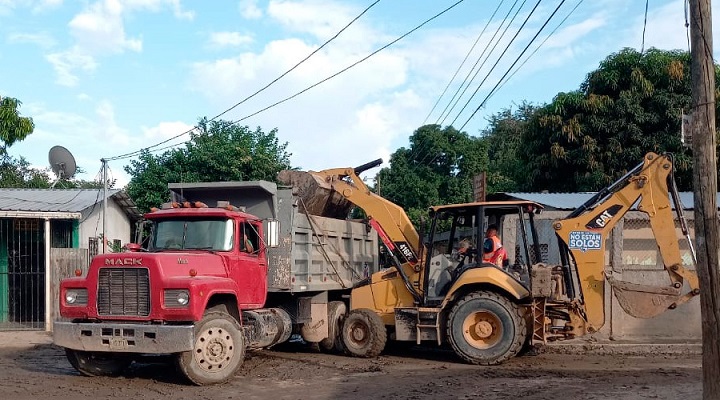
(705, 187)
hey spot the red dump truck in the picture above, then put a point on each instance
(228, 266)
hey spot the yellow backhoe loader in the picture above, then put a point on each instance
(485, 312)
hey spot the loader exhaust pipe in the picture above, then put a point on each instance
(372, 164)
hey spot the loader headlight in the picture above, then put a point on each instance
(76, 297)
(176, 298)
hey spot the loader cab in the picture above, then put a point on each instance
(457, 235)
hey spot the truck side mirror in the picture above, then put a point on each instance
(273, 233)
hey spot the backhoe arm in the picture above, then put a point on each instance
(585, 231)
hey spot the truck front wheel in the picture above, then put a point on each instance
(91, 363)
(218, 352)
(363, 333)
(486, 328)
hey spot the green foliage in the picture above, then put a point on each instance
(438, 168)
(503, 138)
(217, 151)
(13, 127)
(585, 139)
(17, 173)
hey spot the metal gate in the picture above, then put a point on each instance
(22, 274)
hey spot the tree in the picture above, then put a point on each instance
(585, 139)
(506, 172)
(17, 173)
(217, 151)
(13, 127)
(437, 168)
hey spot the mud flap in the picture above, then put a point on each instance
(644, 301)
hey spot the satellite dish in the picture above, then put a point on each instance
(62, 163)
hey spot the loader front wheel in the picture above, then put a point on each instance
(91, 363)
(486, 328)
(363, 333)
(218, 352)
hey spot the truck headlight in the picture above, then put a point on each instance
(76, 297)
(176, 298)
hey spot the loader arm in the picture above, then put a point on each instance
(585, 231)
(387, 218)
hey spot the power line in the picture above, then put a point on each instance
(353, 64)
(463, 62)
(498, 61)
(130, 154)
(514, 62)
(468, 81)
(539, 46)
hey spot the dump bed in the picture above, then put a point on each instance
(315, 253)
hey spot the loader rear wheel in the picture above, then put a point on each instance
(363, 333)
(485, 328)
(218, 352)
(90, 363)
(336, 315)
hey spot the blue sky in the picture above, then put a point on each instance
(106, 77)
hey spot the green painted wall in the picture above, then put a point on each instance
(76, 234)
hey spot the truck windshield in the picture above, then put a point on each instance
(177, 234)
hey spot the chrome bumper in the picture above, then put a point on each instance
(124, 338)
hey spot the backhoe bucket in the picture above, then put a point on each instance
(315, 199)
(643, 301)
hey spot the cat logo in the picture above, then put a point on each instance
(601, 220)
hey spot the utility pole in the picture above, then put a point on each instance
(707, 236)
(104, 215)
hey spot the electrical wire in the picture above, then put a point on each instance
(514, 62)
(353, 64)
(136, 152)
(417, 151)
(498, 61)
(463, 62)
(468, 81)
(539, 46)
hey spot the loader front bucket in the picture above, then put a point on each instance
(314, 198)
(644, 301)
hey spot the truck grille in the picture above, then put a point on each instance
(124, 291)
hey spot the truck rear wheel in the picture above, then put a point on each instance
(336, 314)
(91, 363)
(486, 328)
(363, 333)
(218, 352)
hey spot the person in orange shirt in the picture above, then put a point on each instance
(493, 250)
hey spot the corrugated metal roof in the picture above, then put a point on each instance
(60, 200)
(570, 201)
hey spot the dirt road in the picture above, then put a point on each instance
(42, 372)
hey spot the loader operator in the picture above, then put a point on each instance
(493, 250)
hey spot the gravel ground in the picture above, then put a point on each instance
(32, 368)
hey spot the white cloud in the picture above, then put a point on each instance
(42, 39)
(227, 39)
(66, 62)
(99, 30)
(249, 9)
(321, 18)
(166, 130)
(46, 5)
